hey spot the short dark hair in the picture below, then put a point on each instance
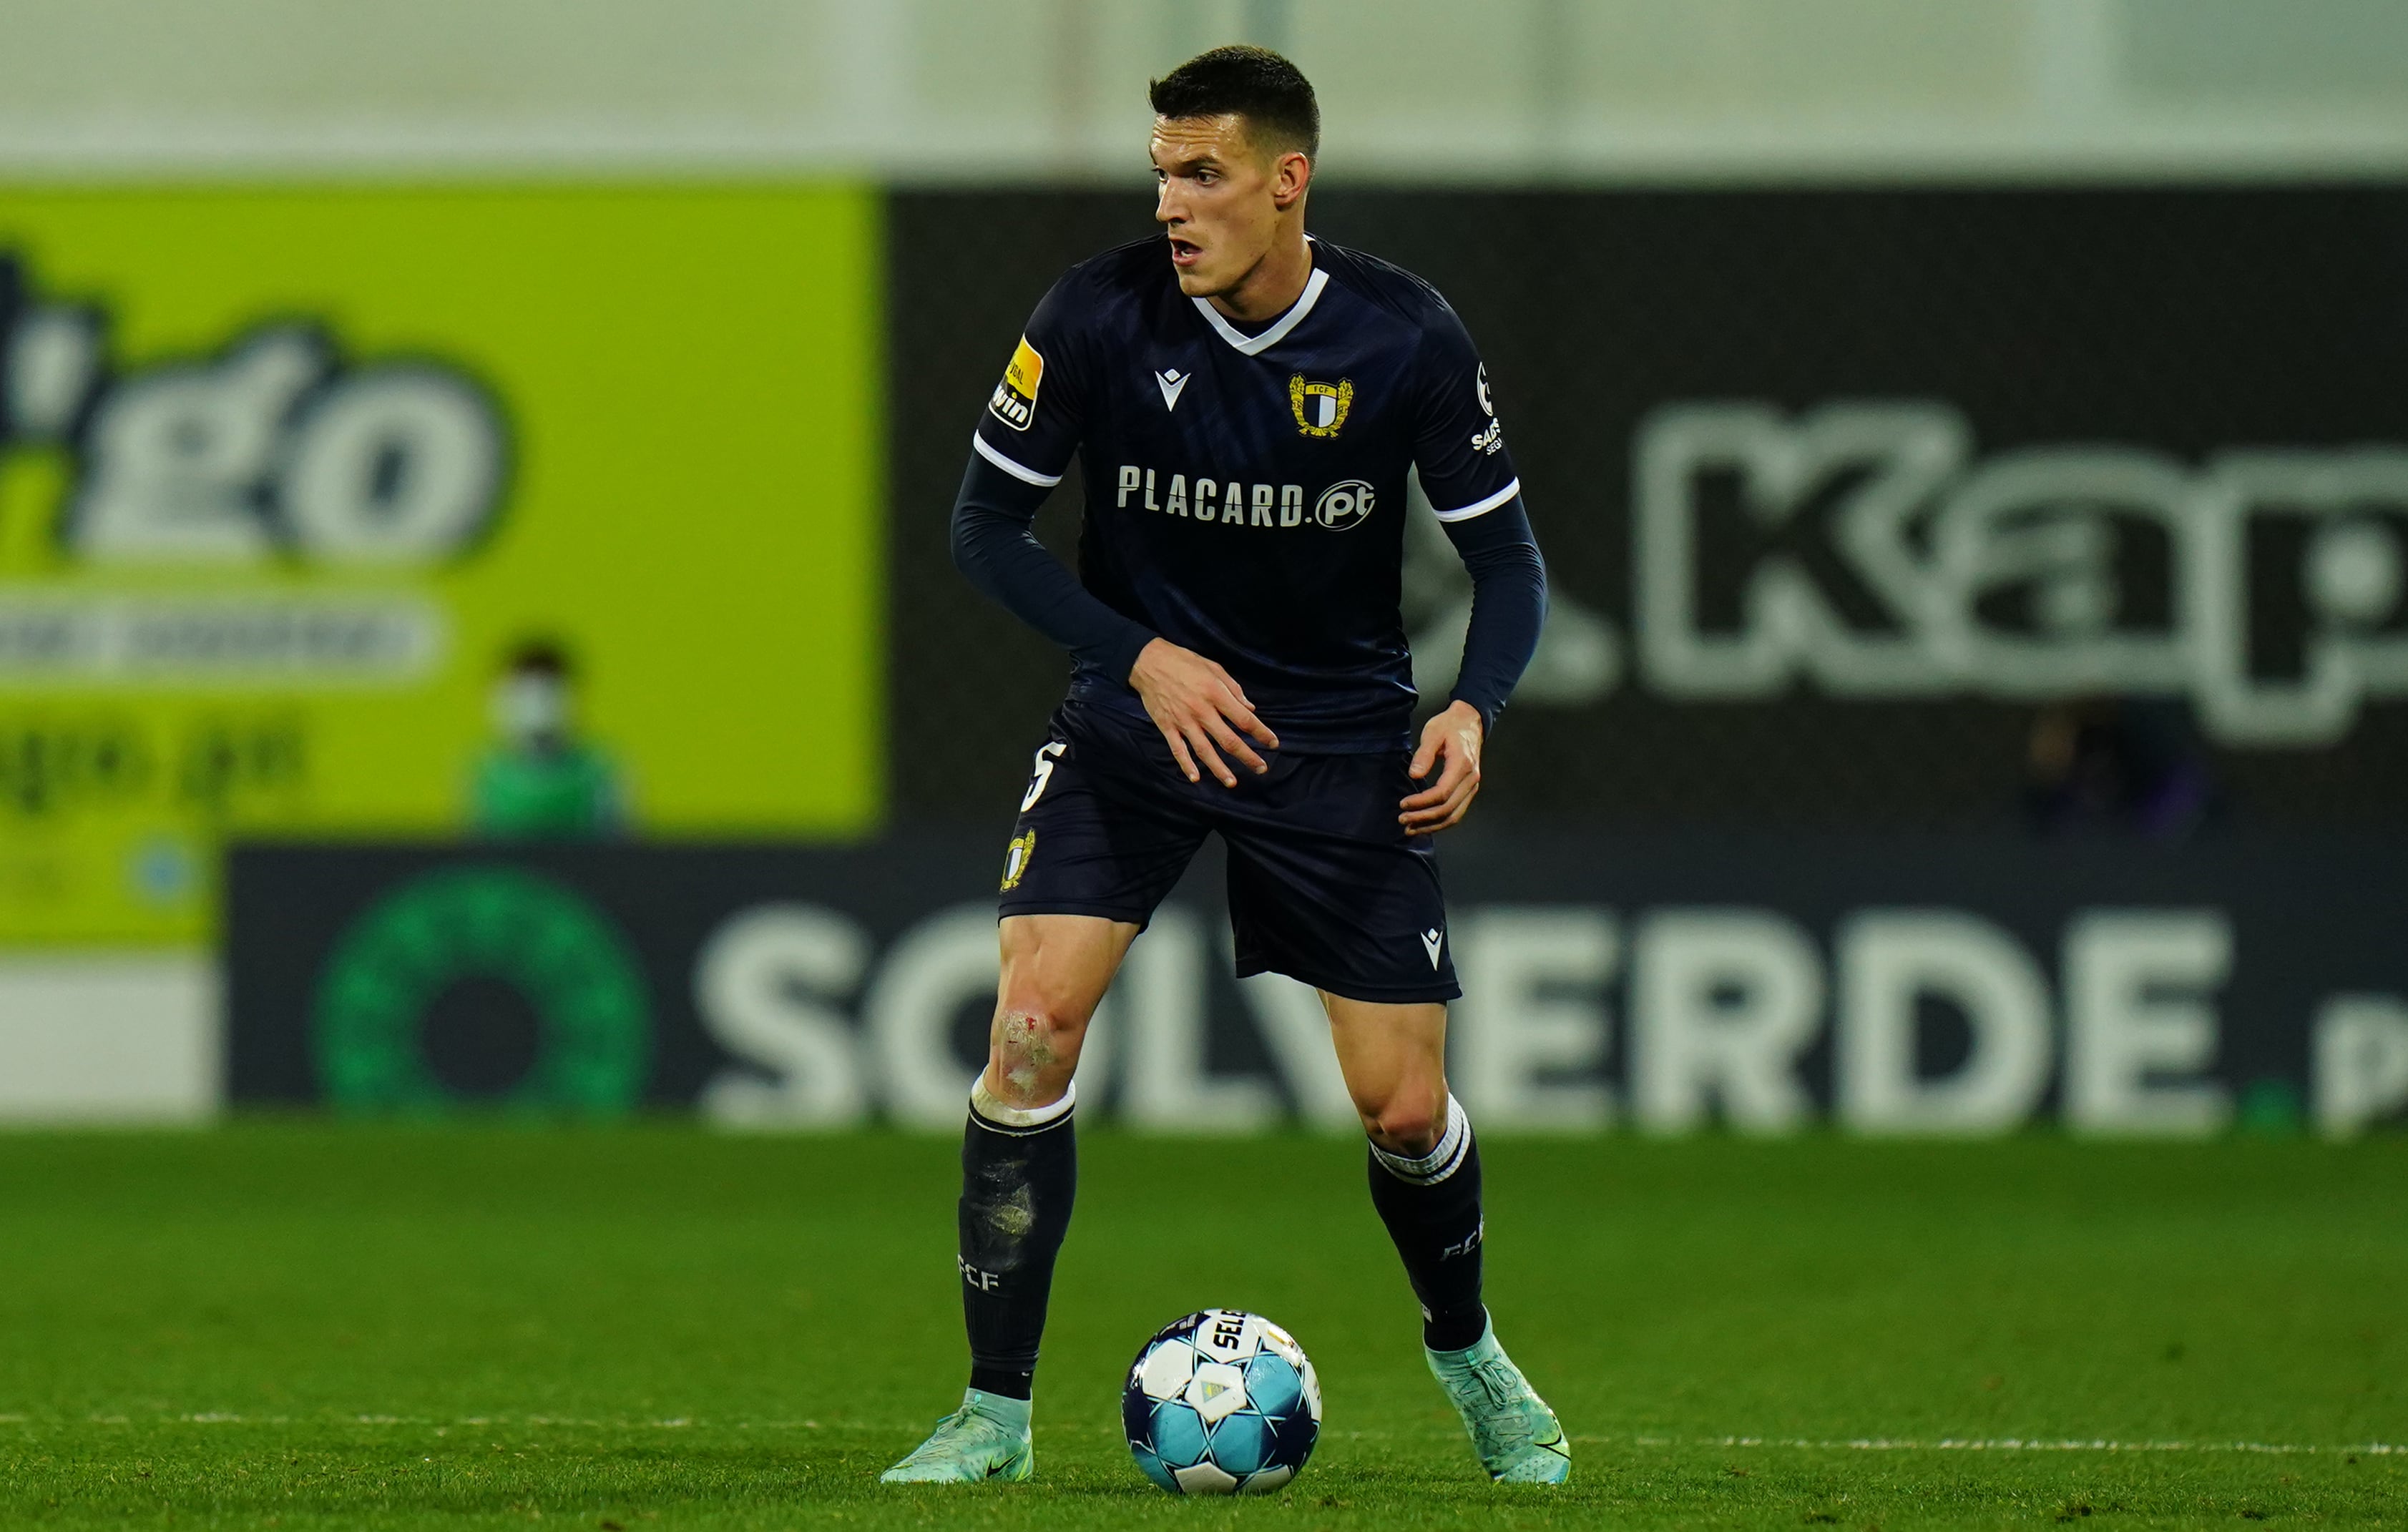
(1255, 83)
(541, 656)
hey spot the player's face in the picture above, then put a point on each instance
(1221, 198)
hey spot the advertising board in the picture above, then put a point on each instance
(1838, 487)
(1770, 983)
(286, 475)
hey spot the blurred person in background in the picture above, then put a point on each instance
(538, 781)
(2110, 764)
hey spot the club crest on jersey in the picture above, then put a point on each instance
(1320, 408)
(1015, 398)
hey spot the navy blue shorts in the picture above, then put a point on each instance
(1323, 885)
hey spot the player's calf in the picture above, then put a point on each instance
(1431, 1203)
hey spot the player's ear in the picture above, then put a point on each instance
(1291, 175)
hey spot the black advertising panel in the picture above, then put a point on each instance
(1959, 984)
(1857, 503)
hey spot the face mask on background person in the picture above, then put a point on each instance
(531, 708)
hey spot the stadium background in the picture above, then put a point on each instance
(734, 304)
(1967, 436)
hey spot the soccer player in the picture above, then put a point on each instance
(1246, 402)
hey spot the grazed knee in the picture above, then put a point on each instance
(1033, 1051)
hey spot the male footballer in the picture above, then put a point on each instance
(1246, 402)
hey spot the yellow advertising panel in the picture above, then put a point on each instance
(288, 477)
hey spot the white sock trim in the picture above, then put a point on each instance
(1445, 1156)
(989, 1106)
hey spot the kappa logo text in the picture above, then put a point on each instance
(2053, 570)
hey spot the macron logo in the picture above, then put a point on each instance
(1171, 384)
(1433, 940)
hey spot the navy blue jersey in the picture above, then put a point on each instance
(1245, 493)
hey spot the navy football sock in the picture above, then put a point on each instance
(1431, 1206)
(1020, 1173)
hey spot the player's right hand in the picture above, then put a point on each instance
(1201, 710)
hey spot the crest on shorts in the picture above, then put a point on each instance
(1320, 408)
(1015, 860)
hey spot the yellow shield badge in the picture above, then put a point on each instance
(1320, 408)
(1016, 859)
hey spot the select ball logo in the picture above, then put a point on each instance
(1344, 506)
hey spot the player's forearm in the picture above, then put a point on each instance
(994, 547)
(1508, 606)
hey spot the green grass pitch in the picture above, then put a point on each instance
(305, 1325)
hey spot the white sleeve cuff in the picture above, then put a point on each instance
(1025, 474)
(1478, 508)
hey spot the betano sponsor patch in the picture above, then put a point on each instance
(1015, 398)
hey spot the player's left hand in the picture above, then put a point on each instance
(1452, 740)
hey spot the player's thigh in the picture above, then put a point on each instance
(1394, 1058)
(1325, 887)
(1102, 832)
(1056, 970)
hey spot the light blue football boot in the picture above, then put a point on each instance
(1516, 1434)
(987, 1437)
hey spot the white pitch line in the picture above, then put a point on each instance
(1850, 1444)
(2005, 1444)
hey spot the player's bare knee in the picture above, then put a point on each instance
(1032, 1052)
(1404, 1127)
(1409, 1119)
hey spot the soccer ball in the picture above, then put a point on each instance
(1221, 1403)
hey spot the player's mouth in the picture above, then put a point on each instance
(1184, 252)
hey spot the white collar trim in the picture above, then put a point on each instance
(1256, 345)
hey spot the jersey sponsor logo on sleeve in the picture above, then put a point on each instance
(1015, 398)
(1320, 408)
(1490, 439)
